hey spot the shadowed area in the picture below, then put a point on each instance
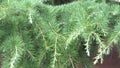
(110, 61)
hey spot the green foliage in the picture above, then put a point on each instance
(38, 35)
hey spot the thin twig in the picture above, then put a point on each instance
(55, 53)
(71, 62)
(42, 35)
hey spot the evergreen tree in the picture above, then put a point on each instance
(43, 34)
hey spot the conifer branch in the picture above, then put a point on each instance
(75, 34)
(30, 17)
(100, 49)
(88, 45)
(70, 58)
(30, 53)
(114, 38)
(55, 32)
(15, 58)
(43, 35)
(40, 31)
(55, 53)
